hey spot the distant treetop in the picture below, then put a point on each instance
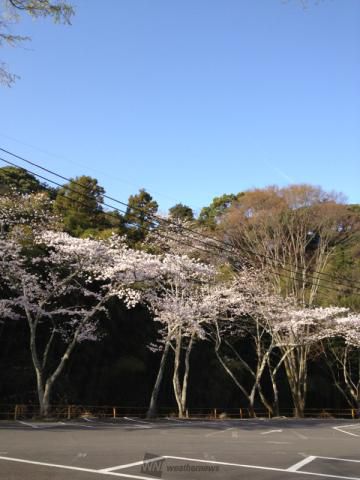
(12, 178)
(181, 212)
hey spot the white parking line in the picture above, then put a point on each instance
(219, 431)
(257, 467)
(340, 459)
(138, 421)
(341, 427)
(278, 443)
(44, 426)
(194, 422)
(70, 467)
(295, 469)
(271, 431)
(133, 464)
(300, 464)
(101, 423)
(137, 427)
(28, 424)
(74, 424)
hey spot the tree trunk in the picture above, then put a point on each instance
(40, 392)
(176, 379)
(264, 400)
(45, 405)
(235, 380)
(152, 410)
(186, 373)
(275, 404)
(45, 392)
(296, 371)
(39, 371)
(298, 398)
(251, 407)
(298, 406)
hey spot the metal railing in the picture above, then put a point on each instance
(32, 411)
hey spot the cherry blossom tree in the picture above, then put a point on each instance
(281, 332)
(178, 304)
(25, 213)
(245, 307)
(62, 290)
(185, 237)
(295, 332)
(341, 349)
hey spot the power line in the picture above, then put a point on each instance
(86, 195)
(148, 229)
(220, 244)
(316, 275)
(96, 170)
(79, 202)
(160, 220)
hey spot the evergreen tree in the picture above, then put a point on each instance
(209, 216)
(19, 180)
(139, 215)
(79, 204)
(181, 212)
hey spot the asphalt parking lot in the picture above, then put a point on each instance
(172, 449)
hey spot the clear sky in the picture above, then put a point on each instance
(191, 98)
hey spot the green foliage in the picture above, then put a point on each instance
(19, 180)
(181, 212)
(139, 215)
(209, 216)
(79, 204)
(345, 265)
(58, 10)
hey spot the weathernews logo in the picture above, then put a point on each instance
(154, 465)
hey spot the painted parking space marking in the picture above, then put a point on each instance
(137, 420)
(219, 431)
(273, 469)
(133, 464)
(273, 442)
(271, 431)
(28, 424)
(42, 425)
(70, 467)
(341, 428)
(48, 425)
(114, 470)
(340, 459)
(298, 465)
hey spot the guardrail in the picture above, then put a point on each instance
(22, 411)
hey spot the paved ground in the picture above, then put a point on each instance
(230, 449)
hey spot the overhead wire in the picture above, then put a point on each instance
(142, 227)
(157, 219)
(151, 229)
(220, 243)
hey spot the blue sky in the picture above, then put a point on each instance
(191, 98)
